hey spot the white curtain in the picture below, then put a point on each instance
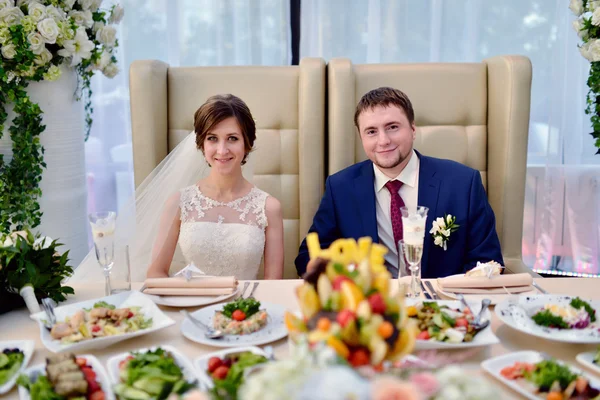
(562, 207)
(181, 33)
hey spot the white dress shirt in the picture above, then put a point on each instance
(409, 192)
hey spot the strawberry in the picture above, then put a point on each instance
(337, 282)
(377, 303)
(344, 317)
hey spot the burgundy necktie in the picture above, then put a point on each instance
(395, 205)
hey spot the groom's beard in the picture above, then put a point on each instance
(392, 163)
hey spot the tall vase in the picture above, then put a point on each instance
(64, 196)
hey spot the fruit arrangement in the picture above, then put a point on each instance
(227, 372)
(345, 302)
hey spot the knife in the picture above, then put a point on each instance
(425, 292)
(433, 292)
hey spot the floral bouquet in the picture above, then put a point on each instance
(345, 302)
(31, 266)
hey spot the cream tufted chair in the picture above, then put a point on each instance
(473, 113)
(288, 104)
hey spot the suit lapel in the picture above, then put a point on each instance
(429, 189)
(364, 192)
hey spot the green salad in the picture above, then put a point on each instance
(10, 362)
(151, 375)
(248, 306)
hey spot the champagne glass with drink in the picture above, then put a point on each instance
(103, 232)
(413, 228)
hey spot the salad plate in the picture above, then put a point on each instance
(96, 382)
(553, 317)
(590, 359)
(226, 367)
(535, 376)
(96, 324)
(443, 324)
(147, 372)
(14, 358)
(264, 323)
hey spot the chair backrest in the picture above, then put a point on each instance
(473, 113)
(288, 104)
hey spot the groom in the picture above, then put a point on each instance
(364, 199)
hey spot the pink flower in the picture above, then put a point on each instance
(388, 388)
(426, 382)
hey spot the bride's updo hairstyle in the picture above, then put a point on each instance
(218, 108)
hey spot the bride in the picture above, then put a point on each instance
(222, 223)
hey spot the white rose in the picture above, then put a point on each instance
(24, 2)
(9, 52)
(111, 70)
(7, 242)
(55, 13)
(576, 6)
(68, 4)
(95, 5)
(103, 60)
(117, 14)
(82, 18)
(593, 5)
(36, 43)
(44, 58)
(107, 35)
(578, 26)
(85, 4)
(42, 243)
(6, 3)
(4, 36)
(36, 11)
(596, 17)
(48, 29)
(11, 16)
(591, 50)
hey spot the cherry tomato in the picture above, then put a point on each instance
(238, 315)
(221, 372)
(214, 363)
(423, 335)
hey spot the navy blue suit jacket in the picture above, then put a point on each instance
(347, 210)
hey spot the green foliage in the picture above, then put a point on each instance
(24, 261)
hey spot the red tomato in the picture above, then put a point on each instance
(98, 395)
(227, 362)
(238, 315)
(89, 374)
(130, 314)
(214, 363)
(96, 328)
(221, 372)
(423, 335)
(462, 322)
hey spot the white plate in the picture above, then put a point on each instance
(587, 359)
(494, 298)
(484, 338)
(125, 299)
(186, 366)
(27, 347)
(201, 363)
(190, 301)
(274, 330)
(101, 377)
(494, 365)
(516, 312)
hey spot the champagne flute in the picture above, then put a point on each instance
(413, 228)
(103, 232)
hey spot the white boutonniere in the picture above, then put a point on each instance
(441, 230)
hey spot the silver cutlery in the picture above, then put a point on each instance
(208, 332)
(477, 324)
(432, 290)
(241, 292)
(538, 287)
(425, 292)
(464, 303)
(251, 295)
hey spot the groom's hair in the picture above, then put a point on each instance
(385, 97)
(218, 108)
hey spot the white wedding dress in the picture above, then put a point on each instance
(223, 238)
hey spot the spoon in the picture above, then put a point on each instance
(208, 332)
(477, 324)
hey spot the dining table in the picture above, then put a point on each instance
(17, 325)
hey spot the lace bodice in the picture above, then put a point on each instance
(223, 238)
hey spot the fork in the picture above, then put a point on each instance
(48, 306)
(251, 295)
(241, 292)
